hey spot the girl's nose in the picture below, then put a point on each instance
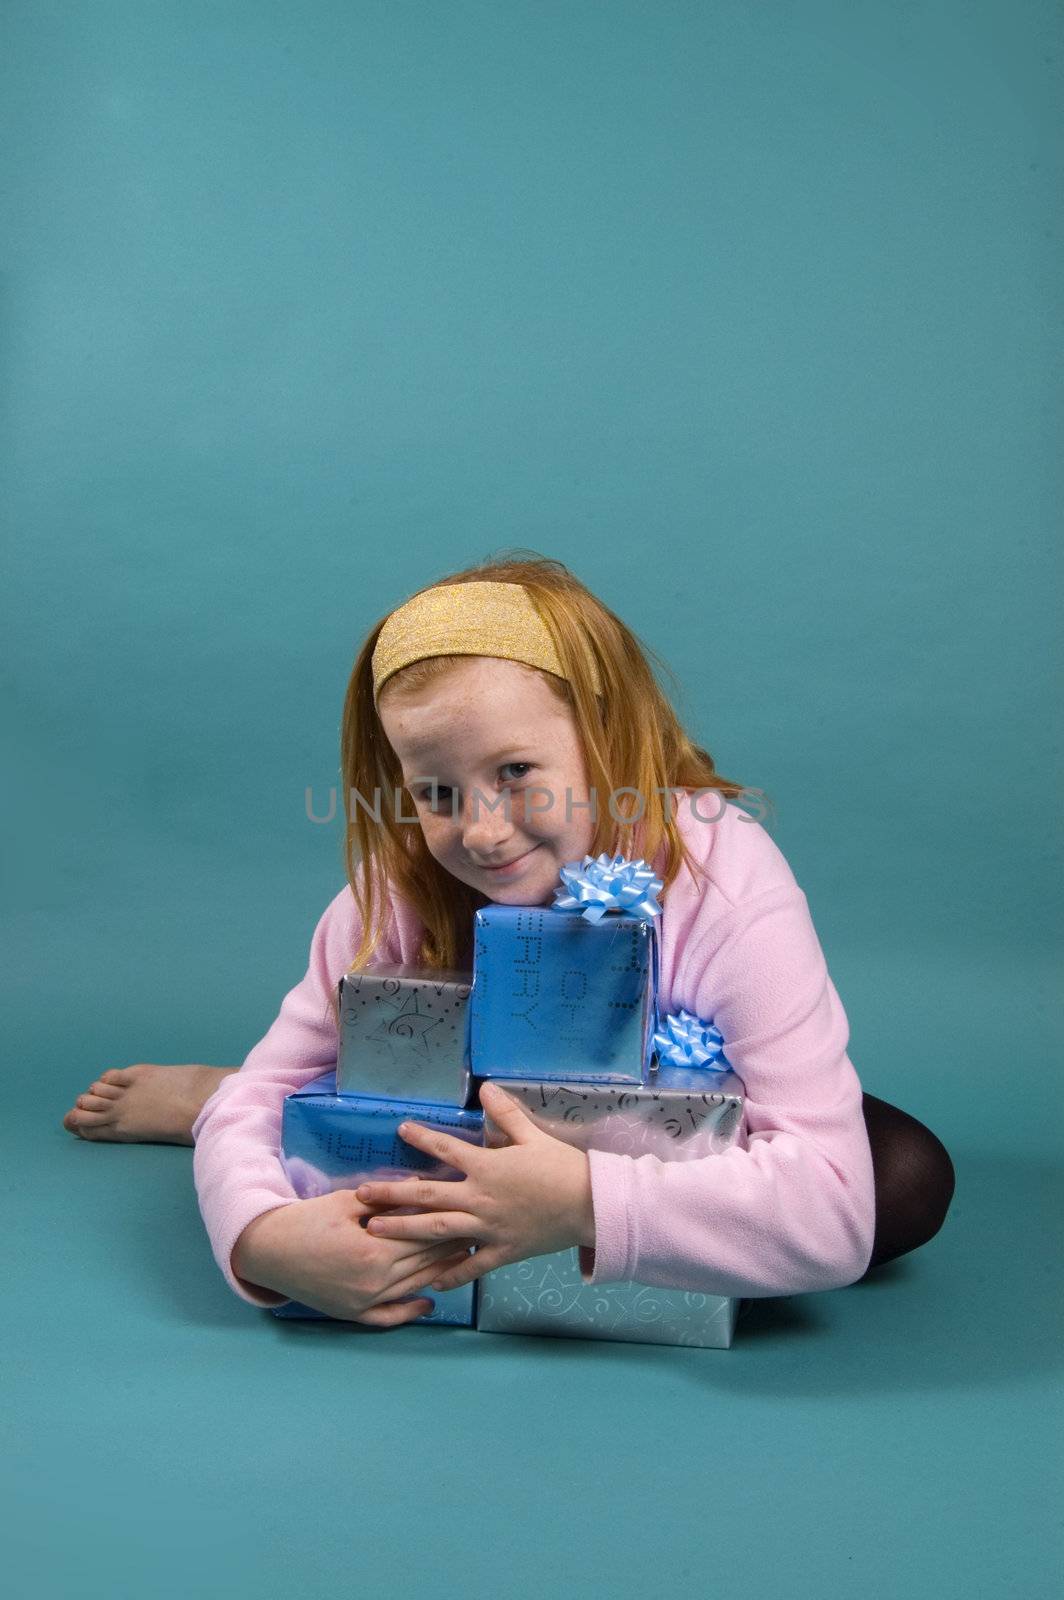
(484, 828)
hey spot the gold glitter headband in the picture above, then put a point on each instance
(468, 619)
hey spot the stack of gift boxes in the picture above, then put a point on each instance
(562, 1009)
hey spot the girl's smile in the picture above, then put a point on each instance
(510, 868)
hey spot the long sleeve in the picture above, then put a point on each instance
(236, 1161)
(791, 1208)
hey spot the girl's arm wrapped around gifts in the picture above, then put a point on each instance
(236, 1161)
(791, 1208)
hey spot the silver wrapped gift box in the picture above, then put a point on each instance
(546, 1295)
(680, 1114)
(404, 1034)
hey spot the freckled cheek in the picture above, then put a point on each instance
(439, 834)
(536, 810)
(545, 811)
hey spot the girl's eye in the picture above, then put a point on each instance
(443, 795)
(443, 791)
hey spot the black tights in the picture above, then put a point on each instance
(914, 1180)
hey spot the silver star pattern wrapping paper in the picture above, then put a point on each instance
(404, 1034)
(547, 1296)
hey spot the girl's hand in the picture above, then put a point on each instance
(527, 1198)
(317, 1251)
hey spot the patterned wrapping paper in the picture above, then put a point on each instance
(404, 1034)
(547, 1296)
(337, 1141)
(557, 998)
(681, 1114)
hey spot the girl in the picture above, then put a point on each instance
(519, 718)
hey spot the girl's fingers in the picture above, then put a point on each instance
(392, 1313)
(395, 1310)
(387, 1312)
(410, 1192)
(410, 1254)
(453, 1277)
(434, 1225)
(437, 1258)
(454, 1152)
(403, 1248)
(508, 1113)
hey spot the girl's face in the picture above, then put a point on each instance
(493, 736)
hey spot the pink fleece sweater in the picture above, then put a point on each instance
(788, 1210)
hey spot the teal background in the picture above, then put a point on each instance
(751, 314)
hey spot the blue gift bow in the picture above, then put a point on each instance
(594, 886)
(684, 1040)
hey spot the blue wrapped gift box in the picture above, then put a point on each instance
(558, 998)
(337, 1141)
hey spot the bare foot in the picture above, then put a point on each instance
(145, 1103)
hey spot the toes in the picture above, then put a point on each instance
(118, 1075)
(106, 1091)
(89, 1124)
(94, 1102)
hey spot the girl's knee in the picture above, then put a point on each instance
(915, 1182)
(934, 1177)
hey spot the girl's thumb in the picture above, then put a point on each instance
(502, 1108)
